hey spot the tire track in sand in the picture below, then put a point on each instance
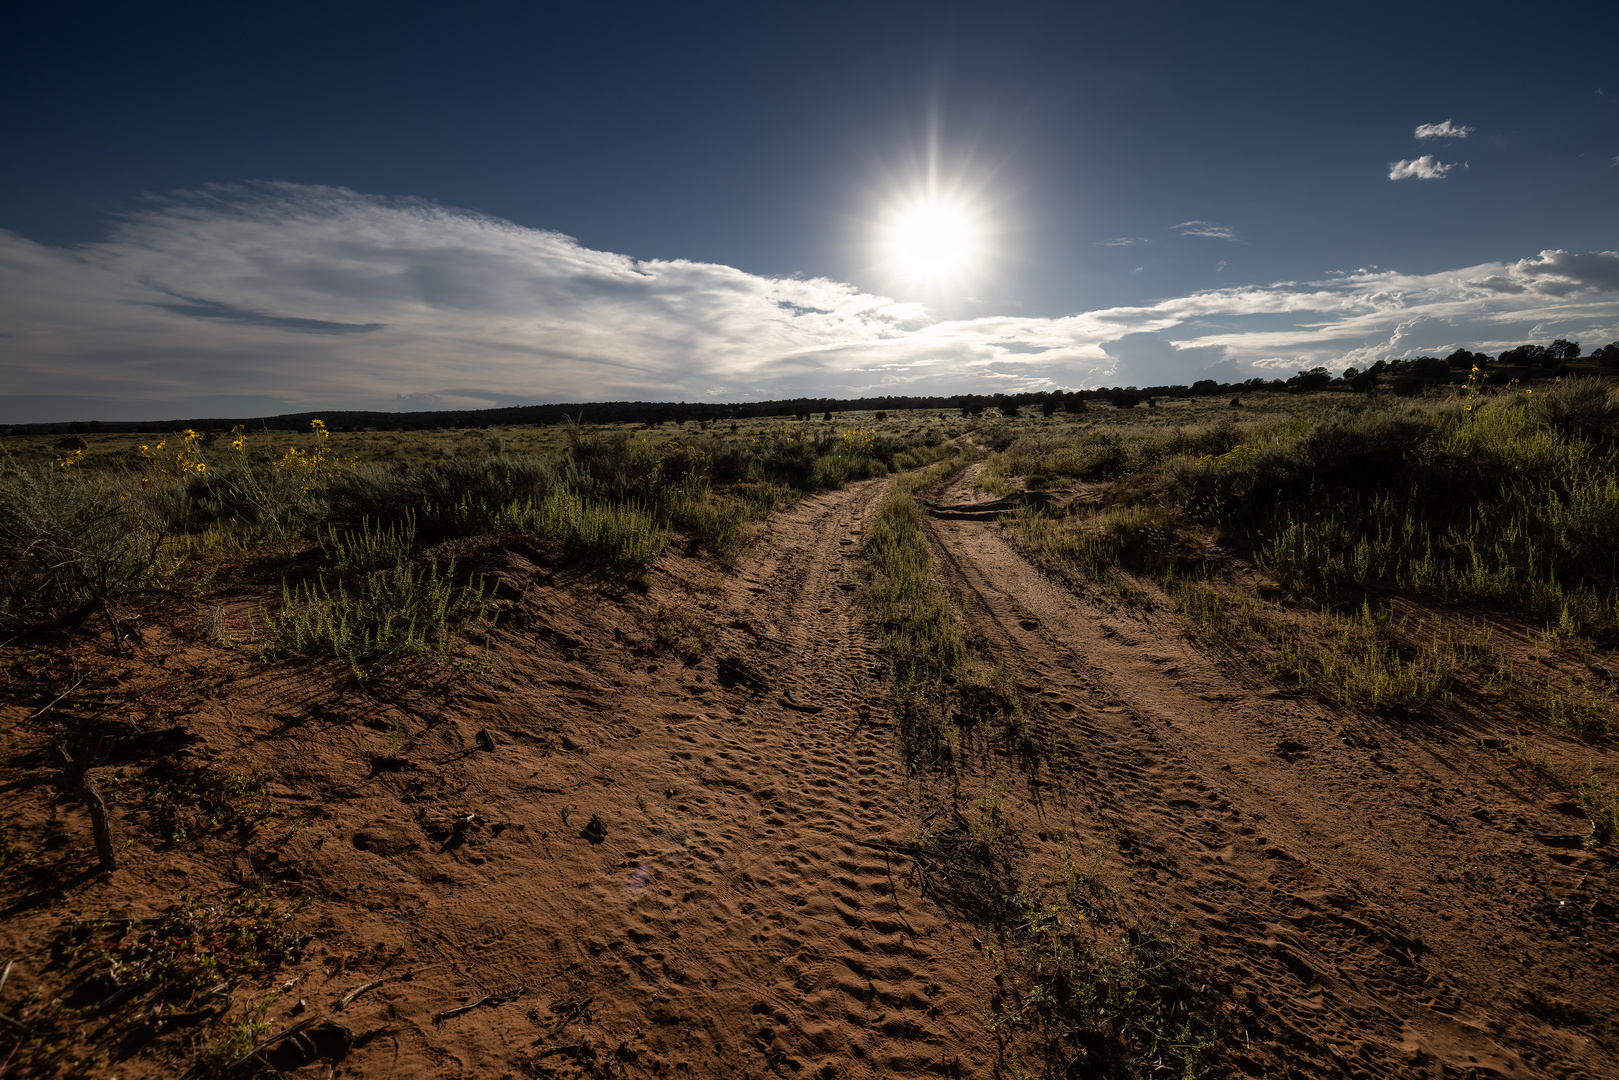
(1242, 812)
(731, 921)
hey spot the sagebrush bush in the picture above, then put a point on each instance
(1361, 451)
(1578, 408)
(387, 494)
(68, 543)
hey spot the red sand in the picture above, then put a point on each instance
(729, 922)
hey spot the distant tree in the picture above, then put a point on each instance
(1528, 356)
(1428, 369)
(1073, 403)
(882, 416)
(1313, 379)
(1563, 349)
(1051, 404)
(1009, 407)
(1236, 403)
(1205, 386)
(1123, 400)
(1607, 356)
(1364, 382)
(1350, 374)
(828, 416)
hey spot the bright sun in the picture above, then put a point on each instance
(932, 240)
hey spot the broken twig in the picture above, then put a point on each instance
(491, 999)
(358, 990)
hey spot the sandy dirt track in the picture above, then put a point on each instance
(728, 918)
(1325, 876)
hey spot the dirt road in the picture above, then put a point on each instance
(641, 840)
(1387, 909)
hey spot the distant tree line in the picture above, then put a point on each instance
(1408, 376)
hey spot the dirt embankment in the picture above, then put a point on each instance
(654, 857)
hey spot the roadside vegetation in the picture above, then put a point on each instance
(1395, 557)
(366, 548)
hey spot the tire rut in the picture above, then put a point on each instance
(1243, 813)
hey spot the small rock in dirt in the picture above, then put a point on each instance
(595, 831)
(1289, 749)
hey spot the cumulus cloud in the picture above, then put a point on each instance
(1206, 228)
(1423, 168)
(1149, 359)
(1445, 130)
(252, 300)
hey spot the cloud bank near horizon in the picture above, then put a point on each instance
(249, 299)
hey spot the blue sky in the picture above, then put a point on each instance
(256, 209)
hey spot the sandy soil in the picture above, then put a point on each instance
(1325, 877)
(664, 868)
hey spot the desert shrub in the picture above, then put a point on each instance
(1361, 451)
(68, 544)
(1578, 408)
(995, 437)
(1141, 537)
(719, 525)
(372, 546)
(1217, 438)
(390, 494)
(1105, 456)
(1199, 491)
(406, 611)
(239, 491)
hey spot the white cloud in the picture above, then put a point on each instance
(1120, 241)
(1423, 168)
(247, 301)
(1445, 130)
(1206, 228)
